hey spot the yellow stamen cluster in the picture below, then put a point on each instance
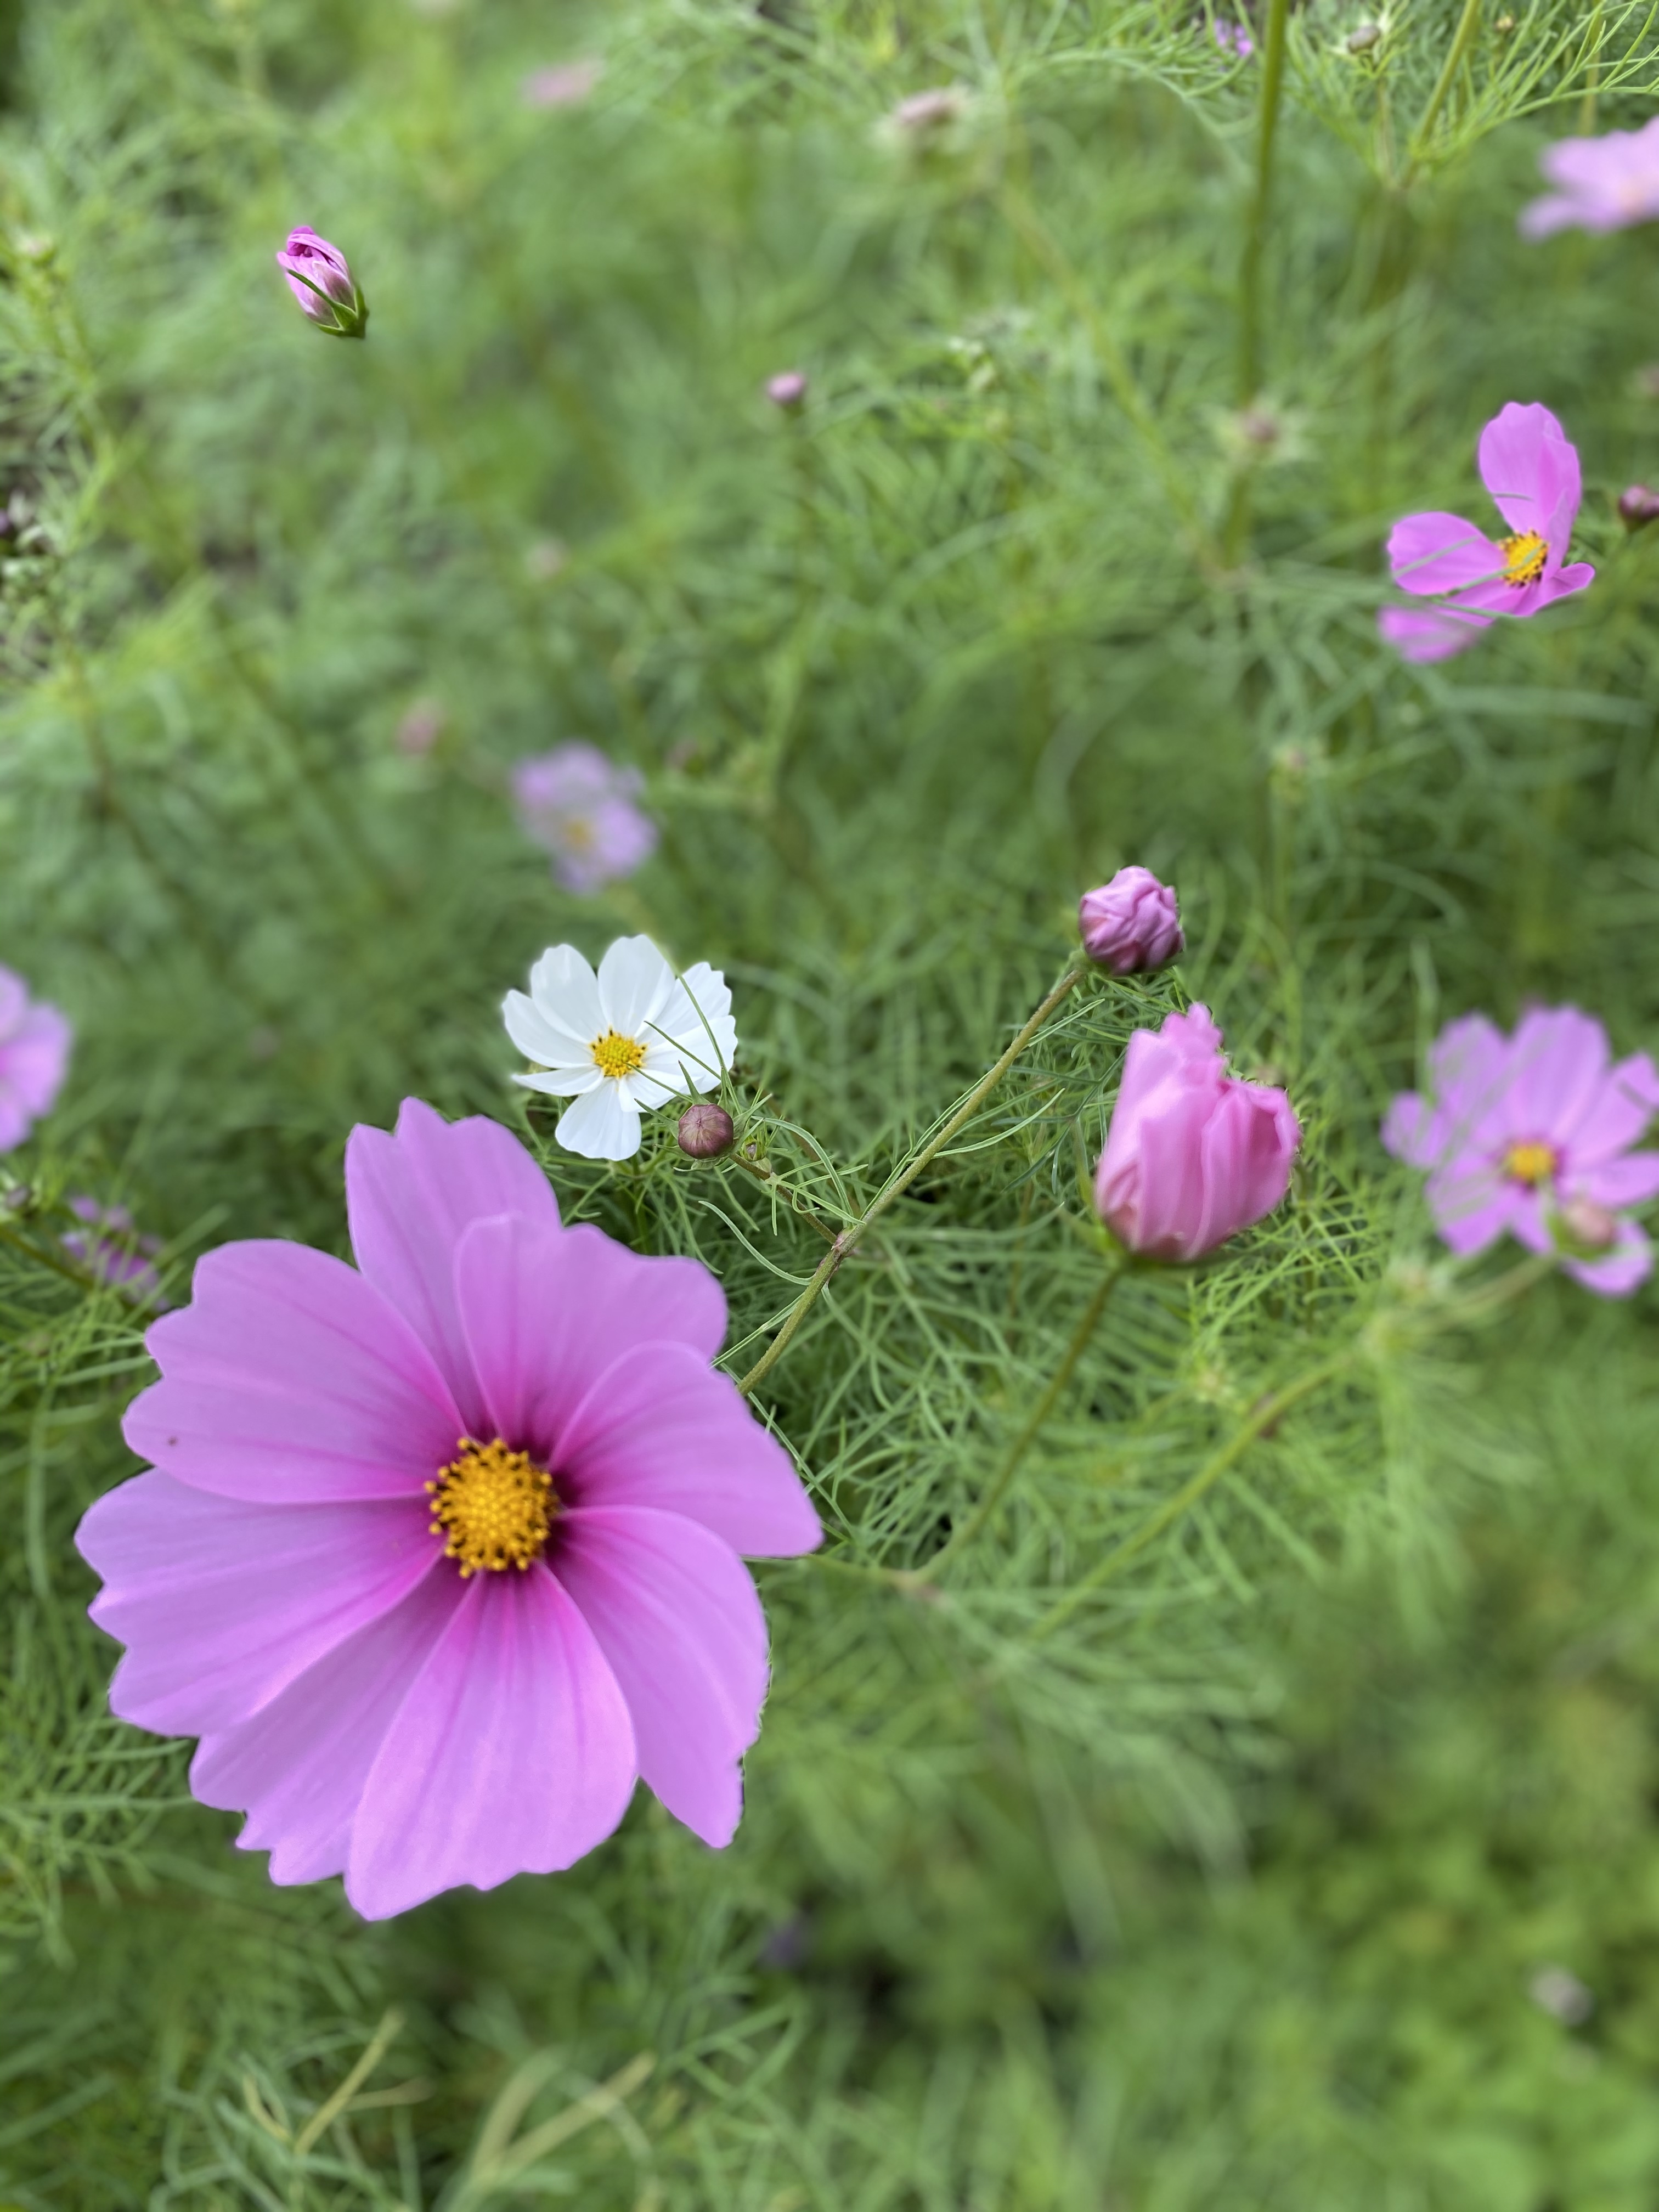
(1524, 555)
(615, 1055)
(494, 1506)
(1530, 1161)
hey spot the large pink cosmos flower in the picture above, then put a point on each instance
(437, 1554)
(34, 1052)
(1193, 1154)
(1532, 1134)
(1601, 184)
(1532, 473)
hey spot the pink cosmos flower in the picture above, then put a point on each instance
(1233, 39)
(1429, 633)
(109, 1251)
(567, 84)
(1131, 923)
(1193, 1155)
(437, 1554)
(581, 808)
(35, 1050)
(1602, 184)
(1532, 473)
(321, 280)
(1532, 1133)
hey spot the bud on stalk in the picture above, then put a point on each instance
(321, 282)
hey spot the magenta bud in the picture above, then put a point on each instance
(319, 279)
(706, 1130)
(1637, 506)
(1587, 1227)
(788, 390)
(1131, 923)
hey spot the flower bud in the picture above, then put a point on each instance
(788, 389)
(706, 1130)
(1193, 1155)
(1584, 1226)
(1131, 923)
(320, 280)
(1363, 38)
(1637, 506)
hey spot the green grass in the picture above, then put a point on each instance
(1181, 1857)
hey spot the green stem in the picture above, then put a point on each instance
(995, 1491)
(1467, 24)
(901, 1182)
(1270, 1410)
(1255, 239)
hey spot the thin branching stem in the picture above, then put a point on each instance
(897, 1187)
(1467, 24)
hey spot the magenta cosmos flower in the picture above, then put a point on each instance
(110, 1249)
(1193, 1154)
(1131, 923)
(1532, 473)
(1601, 184)
(322, 282)
(34, 1051)
(1532, 1134)
(437, 1554)
(583, 810)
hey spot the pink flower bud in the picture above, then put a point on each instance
(1587, 1227)
(1637, 506)
(1131, 923)
(1193, 1155)
(788, 390)
(321, 282)
(706, 1130)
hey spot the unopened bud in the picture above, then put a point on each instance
(1504, 25)
(321, 282)
(924, 114)
(706, 1130)
(1637, 506)
(1587, 1227)
(422, 726)
(1131, 923)
(788, 389)
(1363, 38)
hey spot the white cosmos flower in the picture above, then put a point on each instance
(634, 1035)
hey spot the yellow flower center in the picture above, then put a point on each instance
(1530, 1163)
(1524, 555)
(615, 1055)
(494, 1506)
(578, 832)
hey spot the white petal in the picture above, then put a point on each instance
(697, 1024)
(564, 1081)
(601, 1125)
(536, 1038)
(634, 983)
(662, 1076)
(567, 994)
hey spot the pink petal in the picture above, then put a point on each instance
(1469, 1073)
(1472, 1203)
(1631, 1181)
(1557, 1063)
(1620, 1272)
(1437, 552)
(1425, 634)
(1411, 1130)
(298, 1767)
(512, 1754)
(1531, 472)
(546, 1311)
(660, 1428)
(221, 1604)
(677, 1618)
(408, 1197)
(288, 1379)
(1620, 1112)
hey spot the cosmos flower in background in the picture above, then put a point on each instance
(1131, 923)
(439, 1553)
(109, 1251)
(1601, 184)
(1531, 1135)
(1233, 39)
(565, 85)
(788, 389)
(627, 1040)
(1193, 1155)
(1430, 633)
(34, 1052)
(319, 279)
(1532, 472)
(583, 810)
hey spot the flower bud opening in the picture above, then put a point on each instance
(1638, 505)
(1585, 1226)
(788, 389)
(706, 1130)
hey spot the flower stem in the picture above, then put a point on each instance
(899, 1183)
(1467, 24)
(1255, 239)
(995, 1491)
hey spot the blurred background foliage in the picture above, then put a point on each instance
(1303, 1857)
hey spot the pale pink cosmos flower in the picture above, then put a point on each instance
(1233, 39)
(34, 1051)
(567, 84)
(583, 809)
(439, 1553)
(1532, 473)
(1601, 184)
(1193, 1155)
(110, 1251)
(1532, 1134)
